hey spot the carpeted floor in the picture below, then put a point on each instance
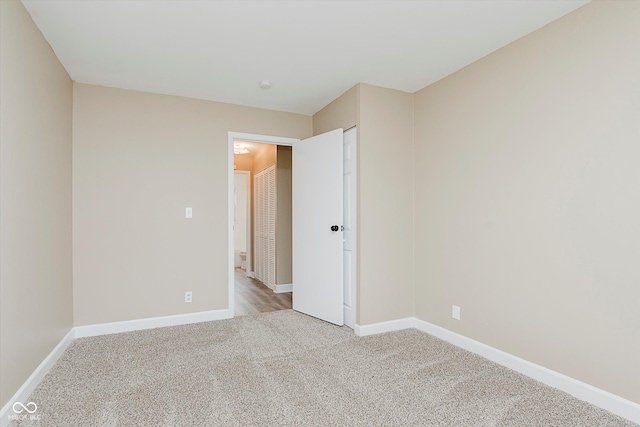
(287, 369)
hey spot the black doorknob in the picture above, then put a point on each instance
(335, 228)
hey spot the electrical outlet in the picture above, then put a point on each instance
(188, 213)
(455, 312)
(188, 297)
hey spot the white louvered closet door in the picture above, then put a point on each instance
(255, 224)
(258, 226)
(265, 226)
(271, 227)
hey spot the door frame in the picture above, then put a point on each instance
(249, 137)
(350, 320)
(275, 140)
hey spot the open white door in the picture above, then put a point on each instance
(317, 207)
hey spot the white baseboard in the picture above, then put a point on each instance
(389, 326)
(151, 323)
(251, 274)
(583, 391)
(279, 289)
(36, 377)
(603, 399)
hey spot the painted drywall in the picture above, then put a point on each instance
(385, 205)
(243, 162)
(342, 112)
(527, 198)
(284, 225)
(385, 196)
(139, 160)
(36, 294)
(264, 157)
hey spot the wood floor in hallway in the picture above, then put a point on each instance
(253, 297)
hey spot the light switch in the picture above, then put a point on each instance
(455, 312)
(188, 213)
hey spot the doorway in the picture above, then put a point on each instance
(348, 183)
(262, 227)
(253, 296)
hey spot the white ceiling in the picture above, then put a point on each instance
(311, 51)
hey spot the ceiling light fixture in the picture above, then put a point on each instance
(265, 84)
(240, 149)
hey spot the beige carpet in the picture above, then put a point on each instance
(287, 369)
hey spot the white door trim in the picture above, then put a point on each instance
(265, 139)
(350, 313)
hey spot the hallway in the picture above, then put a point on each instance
(253, 297)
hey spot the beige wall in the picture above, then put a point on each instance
(340, 113)
(524, 181)
(264, 157)
(35, 191)
(385, 208)
(139, 160)
(284, 220)
(527, 198)
(385, 196)
(243, 162)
